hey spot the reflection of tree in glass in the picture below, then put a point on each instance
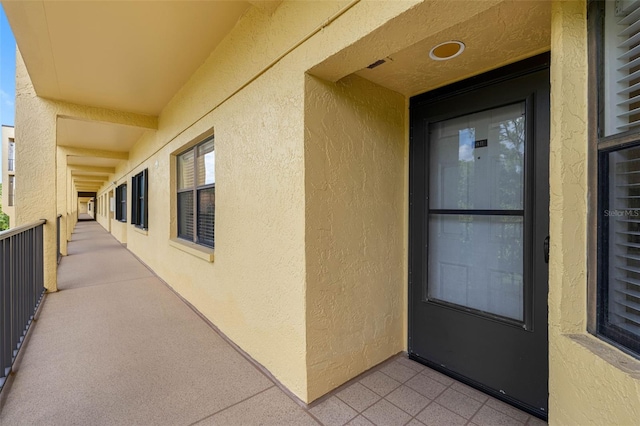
(510, 181)
(511, 135)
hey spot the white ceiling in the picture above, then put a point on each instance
(92, 161)
(500, 35)
(129, 55)
(96, 135)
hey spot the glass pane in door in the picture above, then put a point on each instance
(477, 161)
(476, 211)
(476, 262)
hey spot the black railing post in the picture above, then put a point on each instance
(21, 288)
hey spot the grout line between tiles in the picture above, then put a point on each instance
(380, 398)
(232, 405)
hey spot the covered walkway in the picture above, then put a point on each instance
(115, 346)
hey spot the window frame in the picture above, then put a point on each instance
(194, 190)
(121, 203)
(11, 155)
(140, 200)
(11, 191)
(599, 148)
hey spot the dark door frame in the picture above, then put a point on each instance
(417, 204)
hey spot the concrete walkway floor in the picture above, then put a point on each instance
(115, 346)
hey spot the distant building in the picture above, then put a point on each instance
(8, 172)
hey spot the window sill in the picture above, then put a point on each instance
(141, 231)
(610, 354)
(193, 249)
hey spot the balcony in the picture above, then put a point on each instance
(115, 345)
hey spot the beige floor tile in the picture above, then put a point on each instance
(269, 408)
(415, 422)
(438, 377)
(487, 416)
(360, 421)
(507, 409)
(426, 386)
(398, 372)
(404, 360)
(408, 400)
(383, 413)
(470, 392)
(459, 403)
(380, 383)
(534, 421)
(436, 415)
(358, 397)
(333, 412)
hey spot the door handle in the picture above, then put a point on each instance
(546, 249)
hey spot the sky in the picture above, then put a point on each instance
(7, 71)
(7, 74)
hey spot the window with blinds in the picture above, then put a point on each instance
(622, 66)
(139, 209)
(614, 291)
(621, 292)
(12, 190)
(121, 203)
(12, 157)
(196, 193)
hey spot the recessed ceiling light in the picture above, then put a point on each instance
(446, 50)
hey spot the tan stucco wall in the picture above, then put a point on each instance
(63, 176)
(589, 380)
(102, 213)
(36, 196)
(82, 207)
(355, 152)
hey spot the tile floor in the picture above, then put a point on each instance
(404, 392)
(115, 346)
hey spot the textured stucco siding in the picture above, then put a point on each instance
(589, 380)
(355, 151)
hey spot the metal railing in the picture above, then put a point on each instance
(21, 288)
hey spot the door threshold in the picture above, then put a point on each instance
(541, 414)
